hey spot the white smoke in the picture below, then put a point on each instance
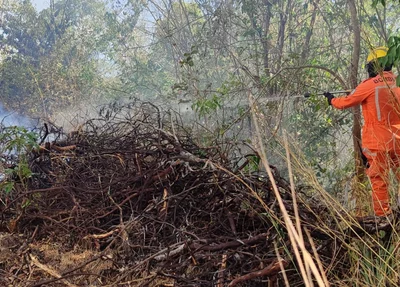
(9, 119)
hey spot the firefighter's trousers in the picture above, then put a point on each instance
(380, 164)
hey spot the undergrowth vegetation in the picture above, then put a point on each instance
(123, 193)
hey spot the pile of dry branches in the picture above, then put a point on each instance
(136, 190)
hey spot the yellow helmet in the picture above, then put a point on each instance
(377, 53)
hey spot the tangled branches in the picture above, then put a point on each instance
(139, 191)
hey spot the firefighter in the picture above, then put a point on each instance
(380, 101)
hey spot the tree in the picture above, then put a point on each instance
(54, 55)
(356, 110)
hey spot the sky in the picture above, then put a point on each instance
(41, 4)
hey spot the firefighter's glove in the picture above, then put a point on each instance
(329, 97)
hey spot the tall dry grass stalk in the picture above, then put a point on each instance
(308, 268)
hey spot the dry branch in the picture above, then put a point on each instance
(270, 270)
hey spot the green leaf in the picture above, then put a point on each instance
(383, 61)
(398, 81)
(8, 186)
(376, 2)
(26, 203)
(397, 56)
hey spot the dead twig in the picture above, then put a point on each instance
(270, 270)
(50, 271)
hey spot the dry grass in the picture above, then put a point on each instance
(373, 258)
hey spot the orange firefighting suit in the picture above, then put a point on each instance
(380, 101)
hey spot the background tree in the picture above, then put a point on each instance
(53, 58)
(200, 57)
